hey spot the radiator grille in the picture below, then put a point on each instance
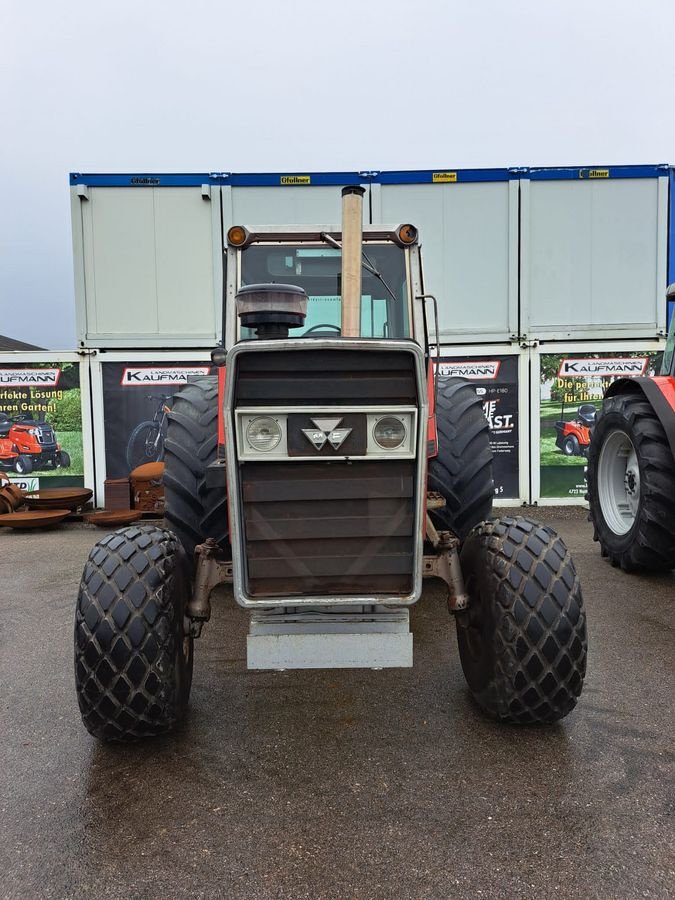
(340, 377)
(329, 528)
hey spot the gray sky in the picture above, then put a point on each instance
(144, 85)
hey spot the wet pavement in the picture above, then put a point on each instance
(338, 783)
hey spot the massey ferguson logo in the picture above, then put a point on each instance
(30, 377)
(326, 430)
(474, 369)
(598, 368)
(148, 375)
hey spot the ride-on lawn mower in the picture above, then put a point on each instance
(574, 438)
(349, 471)
(12, 459)
(34, 441)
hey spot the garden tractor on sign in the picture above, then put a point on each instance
(631, 468)
(325, 475)
(574, 438)
(34, 442)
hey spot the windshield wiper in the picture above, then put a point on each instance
(366, 263)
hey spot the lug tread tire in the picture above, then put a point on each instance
(527, 599)
(193, 510)
(462, 471)
(650, 543)
(129, 619)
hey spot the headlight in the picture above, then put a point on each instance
(389, 433)
(263, 433)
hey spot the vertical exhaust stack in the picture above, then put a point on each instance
(352, 249)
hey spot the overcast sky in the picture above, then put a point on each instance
(150, 86)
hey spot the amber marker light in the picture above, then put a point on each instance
(407, 234)
(237, 235)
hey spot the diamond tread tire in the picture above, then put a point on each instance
(462, 471)
(649, 544)
(194, 511)
(522, 639)
(133, 665)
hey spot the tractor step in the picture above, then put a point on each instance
(329, 640)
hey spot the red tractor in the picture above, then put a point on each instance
(325, 477)
(574, 438)
(35, 442)
(631, 468)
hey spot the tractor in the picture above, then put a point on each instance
(34, 441)
(574, 438)
(325, 473)
(631, 468)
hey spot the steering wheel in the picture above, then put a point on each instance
(326, 327)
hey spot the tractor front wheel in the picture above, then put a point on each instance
(462, 471)
(522, 638)
(631, 485)
(194, 510)
(133, 654)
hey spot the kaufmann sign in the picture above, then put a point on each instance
(145, 376)
(473, 370)
(30, 377)
(603, 368)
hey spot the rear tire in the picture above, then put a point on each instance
(462, 471)
(62, 460)
(571, 446)
(631, 486)
(194, 511)
(133, 660)
(145, 445)
(522, 639)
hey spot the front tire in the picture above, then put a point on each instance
(631, 486)
(522, 639)
(133, 659)
(462, 471)
(192, 509)
(23, 465)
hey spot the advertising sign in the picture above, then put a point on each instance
(41, 424)
(495, 379)
(136, 400)
(571, 389)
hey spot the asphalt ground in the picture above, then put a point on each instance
(340, 784)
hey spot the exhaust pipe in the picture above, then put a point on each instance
(352, 249)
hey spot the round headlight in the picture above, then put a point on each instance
(389, 433)
(263, 433)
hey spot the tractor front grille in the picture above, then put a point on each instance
(312, 526)
(329, 528)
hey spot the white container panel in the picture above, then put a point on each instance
(305, 205)
(593, 257)
(469, 238)
(119, 261)
(152, 262)
(185, 277)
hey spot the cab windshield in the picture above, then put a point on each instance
(316, 268)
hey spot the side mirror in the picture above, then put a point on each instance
(670, 291)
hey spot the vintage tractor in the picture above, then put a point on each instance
(326, 476)
(631, 468)
(574, 437)
(34, 441)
